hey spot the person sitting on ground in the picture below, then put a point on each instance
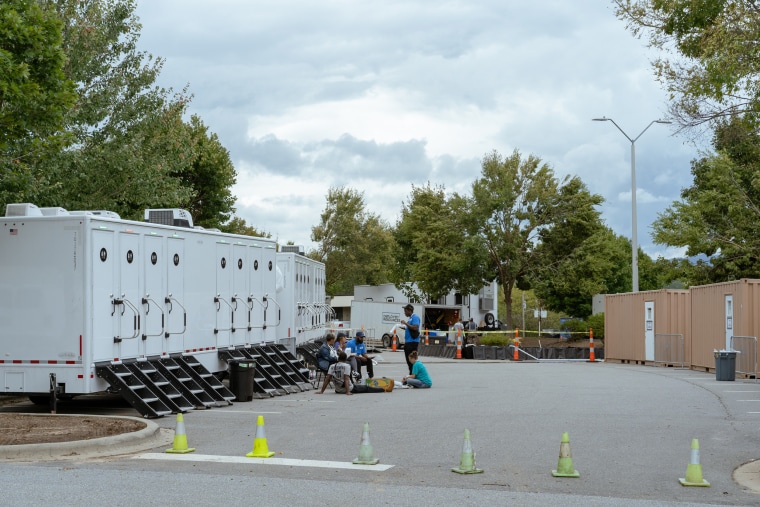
(359, 357)
(327, 355)
(419, 377)
(340, 374)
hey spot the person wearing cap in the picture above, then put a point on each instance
(359, 357)
(412, 334)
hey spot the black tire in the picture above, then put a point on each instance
(40, 399)
(387, 341)
(490, 319)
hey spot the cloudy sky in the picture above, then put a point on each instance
(382, 95)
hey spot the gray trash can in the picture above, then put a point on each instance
(725, 365)
(241, 379)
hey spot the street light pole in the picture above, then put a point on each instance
(634, 227)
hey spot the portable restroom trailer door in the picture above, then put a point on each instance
(129, 320)
(176, 318)
(269, 285)
(104, 290)
(223, 300)
(256, 279)
(240, 312)
(153, 303)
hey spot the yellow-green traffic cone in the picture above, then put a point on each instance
(180, 438)
(694, 469)
(260, 447)
(565, 464)
(467, 460)
(366, 452)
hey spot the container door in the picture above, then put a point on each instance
(729, 319)
(224, 266)
(649, 330)
(152, 304)
(175, 292)
(104, 316)
(240, 294)
(130, 323)
(256, 293)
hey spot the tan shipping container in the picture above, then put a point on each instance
(631, 321)
(720, 311)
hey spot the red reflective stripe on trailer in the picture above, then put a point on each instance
(2, 361)
(52, 361)
(71, 362)
(17, 361)
(115, 359)
(80, 376)
(35, 361)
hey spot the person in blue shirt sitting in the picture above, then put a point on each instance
(419, 378)
(359, 355)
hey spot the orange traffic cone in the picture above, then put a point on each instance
(180, 438)
(260, 447)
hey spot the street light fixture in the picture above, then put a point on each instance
(634, 238)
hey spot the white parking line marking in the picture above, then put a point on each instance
(262, 461)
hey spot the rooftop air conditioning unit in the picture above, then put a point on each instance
(292, 249)
(54, 211)
(25, 209)
(176, 217)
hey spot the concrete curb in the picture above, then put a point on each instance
(748, 475)
(125, 443)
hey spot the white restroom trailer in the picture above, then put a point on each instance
(79, 291)
(301, 291)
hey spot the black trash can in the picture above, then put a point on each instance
(725, 365)
(241, 379)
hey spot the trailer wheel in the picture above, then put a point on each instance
(387, 341)
(490, 319)
(40, 399)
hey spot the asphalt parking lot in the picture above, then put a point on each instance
(630, 430)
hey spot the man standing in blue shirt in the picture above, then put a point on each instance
(359, 355)
(412, 334)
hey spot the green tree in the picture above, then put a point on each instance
(719, 214)
(210, 174)
(238, 225)
(516, 206)
(599, 265)
(34, 94)
(355, 245)
(433, 255)
(714, 70)
(131, 143)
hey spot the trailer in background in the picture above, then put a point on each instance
(301, 292)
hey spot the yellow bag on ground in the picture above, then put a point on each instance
(384, 383)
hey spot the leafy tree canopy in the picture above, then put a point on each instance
(516, 207)
(718, 216)
(714, 67)
(355, 245)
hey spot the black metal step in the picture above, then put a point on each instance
(134, 389)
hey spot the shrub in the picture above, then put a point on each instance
(498, 340)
